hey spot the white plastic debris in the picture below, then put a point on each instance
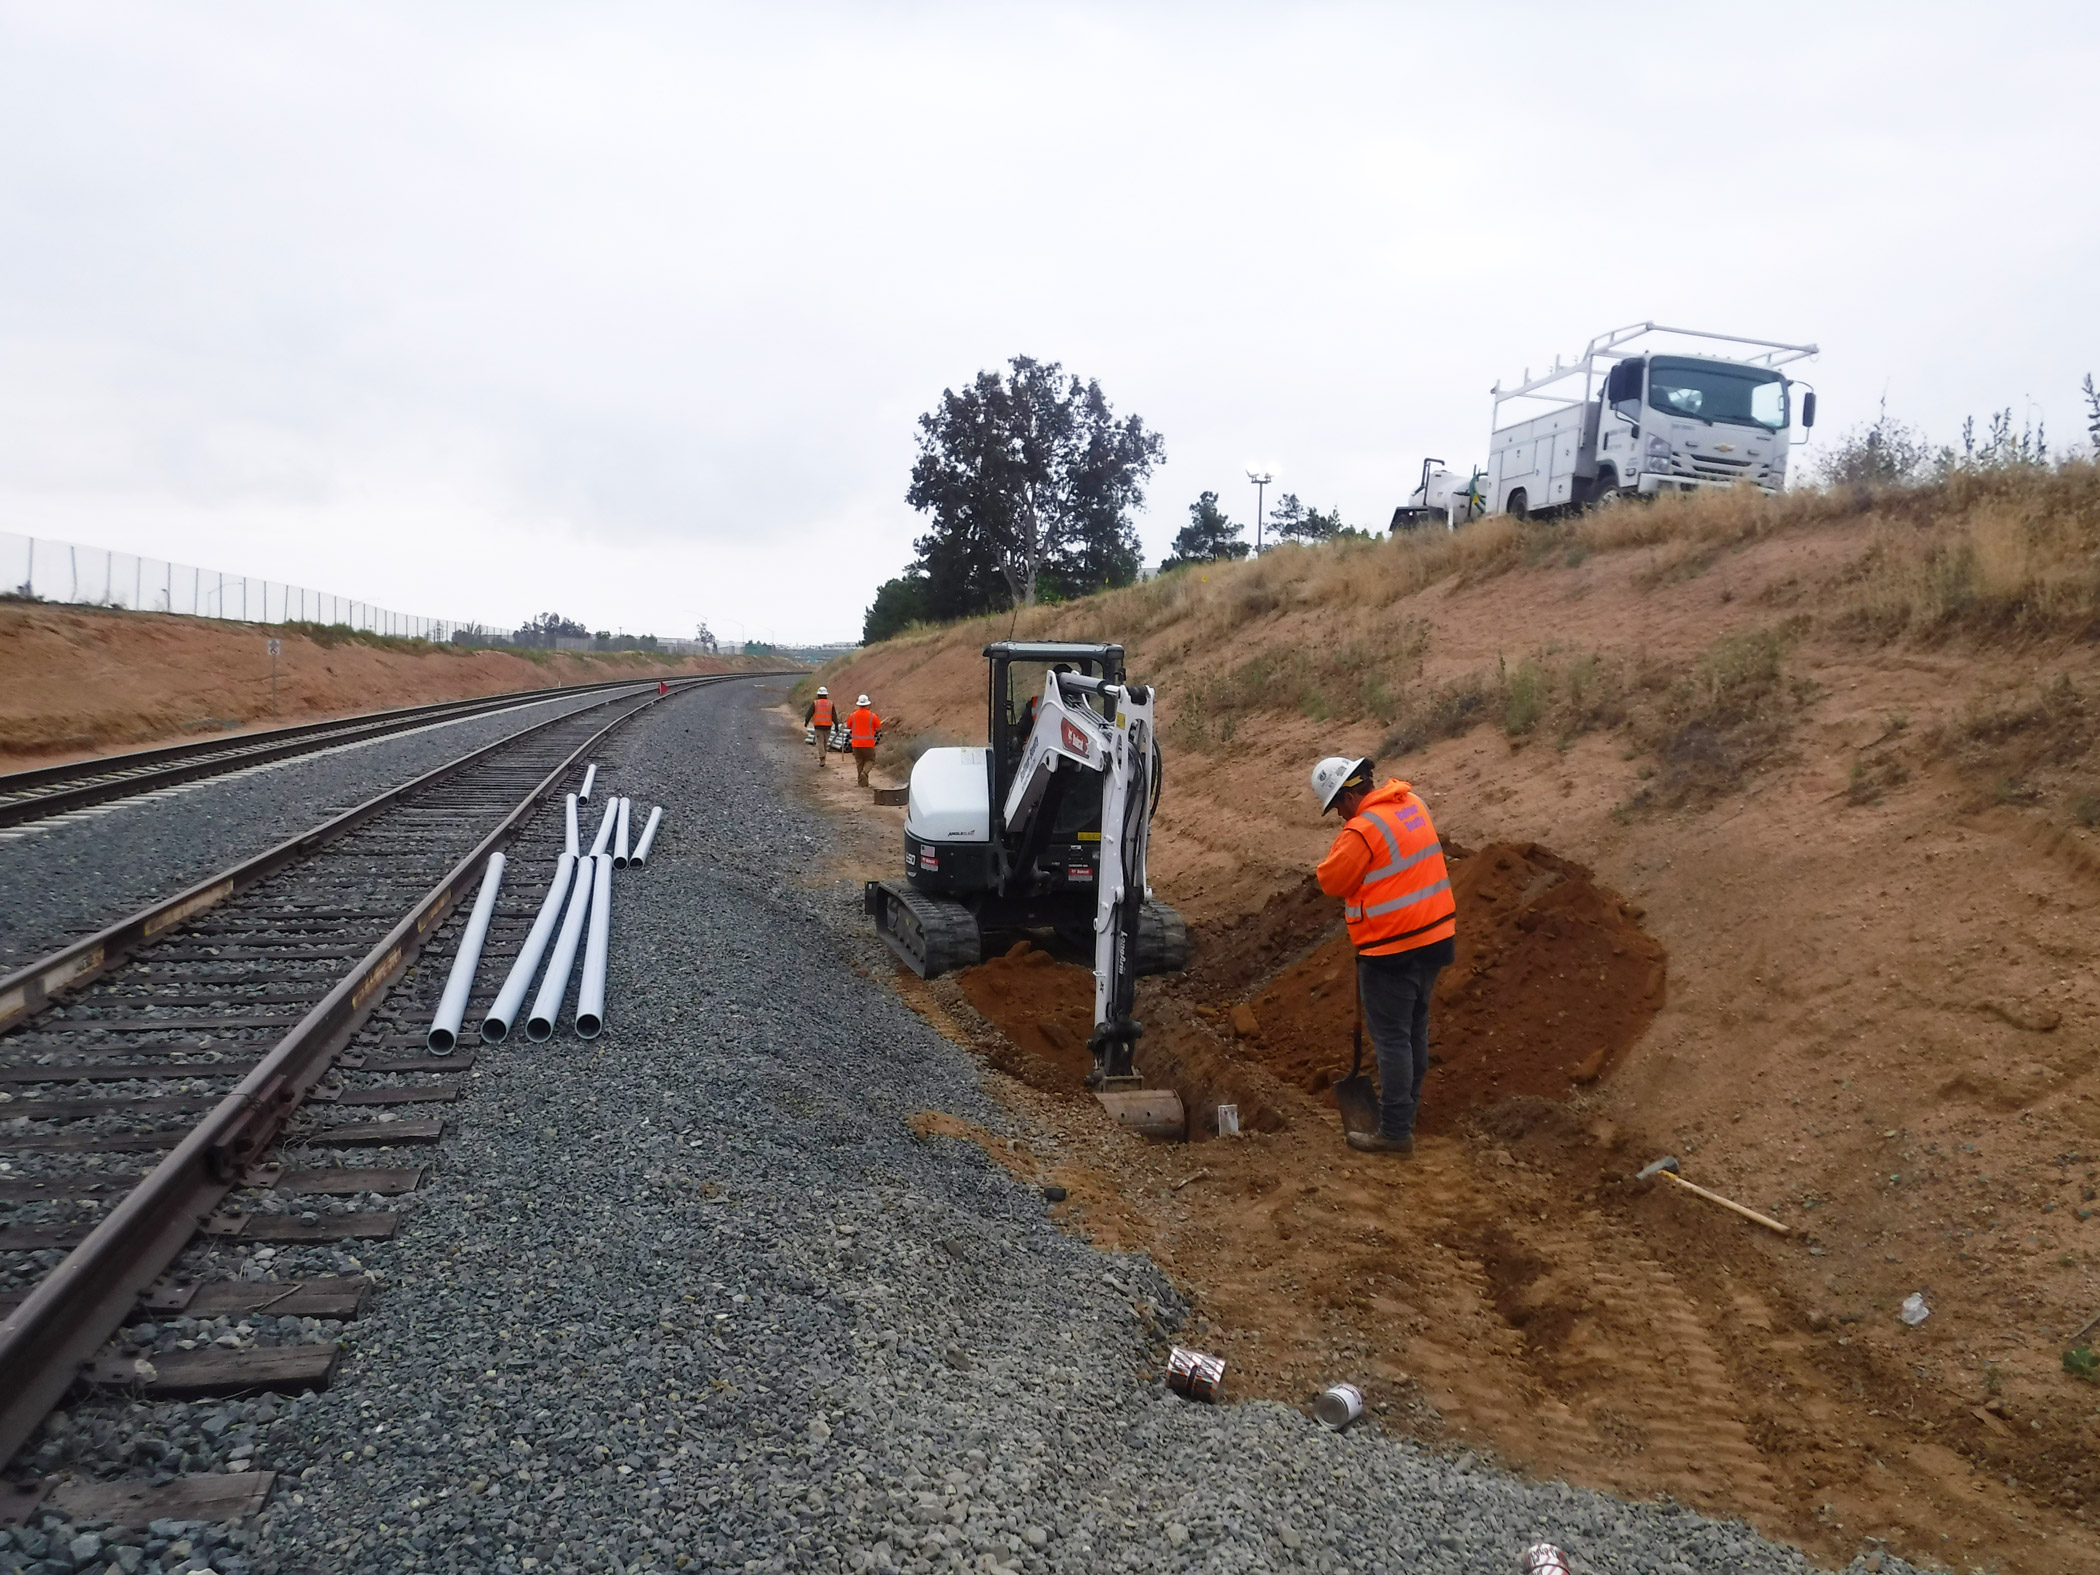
(1914, 1311)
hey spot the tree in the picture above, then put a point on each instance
(898, 604)
(1208, 537)
(547, 627)
(1287, 517)
(1293, 521)
(1030, 479)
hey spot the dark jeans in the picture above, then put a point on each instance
(1396, 1014)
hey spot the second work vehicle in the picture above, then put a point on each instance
(1042, 830)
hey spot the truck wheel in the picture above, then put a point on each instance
(1605, 488)
(1518, 505)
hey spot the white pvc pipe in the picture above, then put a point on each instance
(620, 835)
(590, 995)
(497, 1025)
(575, 844)
(452, 1005)
(546, 1006)
(640, 855)
(590, 775)
(600, 842)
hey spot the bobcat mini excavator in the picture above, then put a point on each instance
(1044, 828)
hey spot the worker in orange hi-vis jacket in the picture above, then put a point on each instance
(1387, 866)
(866, 727)
(821, 717)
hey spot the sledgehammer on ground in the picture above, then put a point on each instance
(1666, 1167)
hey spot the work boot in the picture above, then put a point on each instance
(1379, 1143)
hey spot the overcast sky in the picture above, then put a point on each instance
(628, 310)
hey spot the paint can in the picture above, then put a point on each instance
(1228, 1121)
(1543, 1558)
(1194, 1374)
(1339, 1406)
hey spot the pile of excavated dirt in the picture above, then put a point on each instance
(1554, 981)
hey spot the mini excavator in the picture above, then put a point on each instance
(1042, 829)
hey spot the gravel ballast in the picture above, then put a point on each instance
(693, 1295)
(74, 874)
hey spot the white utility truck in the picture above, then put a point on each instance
(1669, 416)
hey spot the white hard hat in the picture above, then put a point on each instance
(863, 700)
(822, 690)
(1336, 772)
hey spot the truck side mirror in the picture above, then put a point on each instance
(1808, 410)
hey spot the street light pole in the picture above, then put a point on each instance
(1261, 479)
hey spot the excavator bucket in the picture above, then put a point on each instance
(1155, 1112)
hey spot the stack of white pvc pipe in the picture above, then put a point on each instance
(575, 916)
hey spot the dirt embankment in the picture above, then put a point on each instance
(1799, 802)
(80, 681)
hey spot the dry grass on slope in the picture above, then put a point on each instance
(1346, 633)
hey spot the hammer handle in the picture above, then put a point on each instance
(1732, 1207)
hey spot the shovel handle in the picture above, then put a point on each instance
(1356, 1029)
(1734, 1208)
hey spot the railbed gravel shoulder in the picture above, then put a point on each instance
(694, 1296)
(69, 876)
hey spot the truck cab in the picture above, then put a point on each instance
(1647, 421)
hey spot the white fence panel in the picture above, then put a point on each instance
(63, 571)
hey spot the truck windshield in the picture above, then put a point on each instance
(1717, 391)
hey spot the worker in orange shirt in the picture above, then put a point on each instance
(1388, 868)
(865, 727)
(821, 717)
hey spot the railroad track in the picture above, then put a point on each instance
(153, 1073)
(45, 791)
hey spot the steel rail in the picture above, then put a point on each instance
(112, 777)
(77, 1306)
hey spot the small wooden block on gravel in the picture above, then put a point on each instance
(211, 1372)
(341, 1183)
(428, 1094)
(331, 1296)
(324, 1227)
(214, 1498)
(370, 1134)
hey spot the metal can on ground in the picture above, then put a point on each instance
(1339, 1406)
(1543, 1558)
(1195, 1374)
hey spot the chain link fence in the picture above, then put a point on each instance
(38, 568)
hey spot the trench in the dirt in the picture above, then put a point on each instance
(1512, 1289)
(1553, 982)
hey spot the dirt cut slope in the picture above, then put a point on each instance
(1842, 754)
(79, 681)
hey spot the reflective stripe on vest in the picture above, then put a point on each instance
(864, 724)
(823, 717)
(1408, 896)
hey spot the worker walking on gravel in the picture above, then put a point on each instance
(1388, 868)
(865, 727)
(819, 716)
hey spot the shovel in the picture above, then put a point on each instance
(1356, 1094)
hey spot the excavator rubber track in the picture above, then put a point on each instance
(1162, 939)
(930, 935)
